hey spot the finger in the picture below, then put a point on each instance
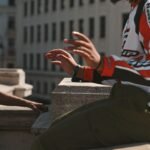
(53, 53)
(81, 36)
(62, 57)
(80, 48)
(84, 49)
(56, 62)
(77, 43)
(81, 53)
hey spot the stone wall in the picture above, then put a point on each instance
(15, 127)
(15, 122)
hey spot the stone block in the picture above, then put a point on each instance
(12, 76)
(16, 118)
(68, 95)
(12, 81)
(23, 90)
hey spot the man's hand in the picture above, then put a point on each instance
(63, 59)
(83, 46)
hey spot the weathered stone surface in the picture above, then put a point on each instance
(15, 127)
(12, 76)
(70, 95)
(16, 118)
(12, 81)
(16, 140)
(15, 122)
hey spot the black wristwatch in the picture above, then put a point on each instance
(75, 71)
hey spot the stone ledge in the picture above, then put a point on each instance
(15, 127)
(16, 118)
(12, 76)
(68, 95)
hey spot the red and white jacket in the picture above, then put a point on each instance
(133, 67)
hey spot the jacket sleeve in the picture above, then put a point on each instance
(116, 68)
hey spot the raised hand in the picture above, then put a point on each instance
(84, 47)
(63, 59)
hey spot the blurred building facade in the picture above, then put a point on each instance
(7, 33)
(43, 24)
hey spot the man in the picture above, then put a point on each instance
(124, 117)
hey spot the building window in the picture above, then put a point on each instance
(53, 31)
(46, 6)
(102, 27)
(53, 67)
(102, 0)
(38, 61)
(11, 52)
(25, 35)
(91, 1)
(38, 33)
(32, 7)
(11, 2)
(71, 28)
(11, 22)
(39, 6)
(11, 43)
(62, 4)
(91, 27)
(31, 82)
(80, 2)
(25, 9)
(53, 86)
(81, 25)
(10, 65)
(31, 34)
(38, 87)
(71, 3)
(62, 30)
(54, 5)
(45, 64)
(45, 88)
(31, 61)
(124, 19)
(46, 32)
(25, 61)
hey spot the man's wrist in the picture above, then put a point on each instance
(77, 73)
(100, 66)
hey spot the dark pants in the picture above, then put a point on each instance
(121, 119)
